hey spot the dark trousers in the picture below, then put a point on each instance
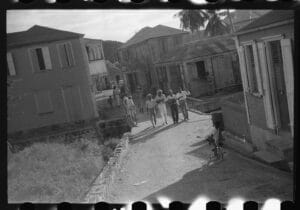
(174, 112)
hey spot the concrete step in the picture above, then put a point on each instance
(281, 147)
(267, 156)
(272, 159)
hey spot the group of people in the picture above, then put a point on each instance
(173, 100)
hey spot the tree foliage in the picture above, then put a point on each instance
(212, 21)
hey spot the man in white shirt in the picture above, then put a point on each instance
(181, 96)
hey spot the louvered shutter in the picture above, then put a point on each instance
(243, 68)
(34, 60)
(257, 69)
(288, 68)
(63, 55)
(267, 94)
(47, 59)
(11, 65)
(70, 54)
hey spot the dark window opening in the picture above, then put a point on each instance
(40, 58)
(201, 73)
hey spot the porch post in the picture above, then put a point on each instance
(169, 76)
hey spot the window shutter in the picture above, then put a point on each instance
(46, 56)
(34, 59)
(287, 57)
(269, 109)
(11, 65)
(243, 68)
(257, 69)
(63, 55)
(70, 54)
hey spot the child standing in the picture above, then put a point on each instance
(150, 106)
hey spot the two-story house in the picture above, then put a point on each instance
(140, 52)
(97, 64)
(50, 77)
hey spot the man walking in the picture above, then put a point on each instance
(173, 103)
(181, 96)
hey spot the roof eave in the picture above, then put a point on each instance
(264, 27)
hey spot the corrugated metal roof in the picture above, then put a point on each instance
(201, 48)
(38, 34)
(148, 33)
(269, 18)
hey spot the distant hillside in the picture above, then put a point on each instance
(110, 50)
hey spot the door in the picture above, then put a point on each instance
(73, 103)
(176, 81)
(274, 54)
(132, 81)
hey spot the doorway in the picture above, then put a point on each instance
(274, 56)
(132, 80)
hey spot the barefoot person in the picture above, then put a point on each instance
(173, 103)
(161, 103)
(150, 107)
(181, 96)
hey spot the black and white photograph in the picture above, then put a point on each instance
(153, 105)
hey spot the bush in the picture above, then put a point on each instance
(53, 172)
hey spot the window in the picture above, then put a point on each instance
(11, 70)
(94, 52)
(201, 73)
(43, 102)
(41, 58)
(66, 55)
(250, 66)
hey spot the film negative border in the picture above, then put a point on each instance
(212, 205)
(139, 4)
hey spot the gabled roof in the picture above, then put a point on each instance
(38, 34)
(200, 48)
(269, 18)
(148, 33)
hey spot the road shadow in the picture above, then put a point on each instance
(145, 136)
(224, 180)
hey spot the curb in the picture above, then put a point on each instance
(100, 187)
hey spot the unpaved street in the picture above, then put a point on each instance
(173, 163)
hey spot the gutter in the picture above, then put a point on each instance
(264, 27)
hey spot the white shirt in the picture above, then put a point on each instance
(182, 96)
(150, 104)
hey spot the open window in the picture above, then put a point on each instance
(41, 59)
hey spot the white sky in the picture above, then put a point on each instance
(117, 25)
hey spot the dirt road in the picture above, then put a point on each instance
(173, 163)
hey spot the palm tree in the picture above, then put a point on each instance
(211, 20)
(192, 20)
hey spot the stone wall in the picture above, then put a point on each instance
(100, 187)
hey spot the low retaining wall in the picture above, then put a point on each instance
(203, 106)
(100, 188)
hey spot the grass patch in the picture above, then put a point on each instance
(56, 172)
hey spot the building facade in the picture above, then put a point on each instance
(49, 72)
(139, 54)
(266, 49)
(203, 66)
(97, 64)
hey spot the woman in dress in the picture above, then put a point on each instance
(161, 103)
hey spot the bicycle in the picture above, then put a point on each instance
(218, 153)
